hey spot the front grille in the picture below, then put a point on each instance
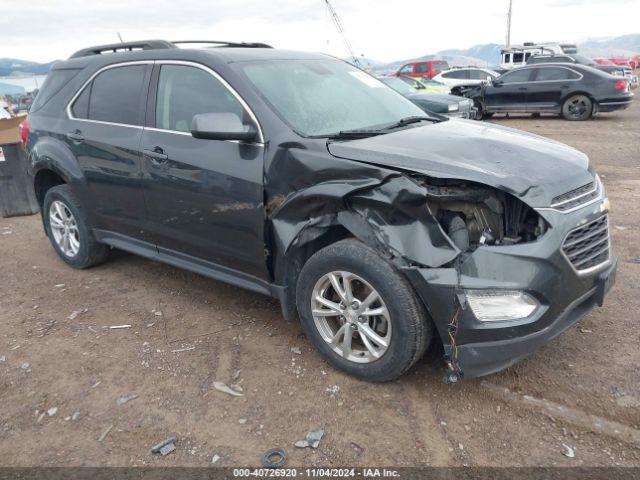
(588, 246)
(577, 197)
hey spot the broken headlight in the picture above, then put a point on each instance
(501, 305)
(473, 215)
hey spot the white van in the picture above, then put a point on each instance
(517, 55)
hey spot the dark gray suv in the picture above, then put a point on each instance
(296, 175)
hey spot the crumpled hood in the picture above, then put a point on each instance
(531, 167)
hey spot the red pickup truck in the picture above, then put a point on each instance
(424, 68)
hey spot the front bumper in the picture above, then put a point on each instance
(540, 268)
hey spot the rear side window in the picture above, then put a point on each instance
(421, 68)
(550, 74)
(518, 57)
(459, 74)
(52, 85)
(186, 91)
(113, 96)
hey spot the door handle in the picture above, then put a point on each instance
(76, 136)
(156, 155)
(523, 89)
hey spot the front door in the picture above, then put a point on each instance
(204, 197)
(508, 92)
(104, 133)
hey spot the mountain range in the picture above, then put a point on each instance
(482, 55)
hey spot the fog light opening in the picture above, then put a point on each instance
(501, 305)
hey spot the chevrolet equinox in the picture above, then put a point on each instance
(383, 228)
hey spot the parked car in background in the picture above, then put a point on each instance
(611, 68)
(425, 68)
(425, 85)
(443, 104)
(465, 76)
(574, 91)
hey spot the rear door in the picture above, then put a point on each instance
(104, 133)
(508, 92)
(204, 197)
(548, 86)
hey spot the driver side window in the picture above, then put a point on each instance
(185, 91)
(516, 76)
(407, 69)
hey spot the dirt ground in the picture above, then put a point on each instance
(62, 369)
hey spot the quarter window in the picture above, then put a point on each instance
(185, 91)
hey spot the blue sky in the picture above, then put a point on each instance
(43, 30)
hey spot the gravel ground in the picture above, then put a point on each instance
(63, 370)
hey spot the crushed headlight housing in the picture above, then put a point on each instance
(453, 107)
(501, 305)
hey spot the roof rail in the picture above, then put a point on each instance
(123, 47)
(225, 44)
(157, 45)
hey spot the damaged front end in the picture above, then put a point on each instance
(487, 266)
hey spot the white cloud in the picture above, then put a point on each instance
(42, 30)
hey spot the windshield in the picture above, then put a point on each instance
(583, 60)
(324, 97)
(399, 85)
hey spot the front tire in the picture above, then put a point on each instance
(68, 229)
(361, 313)
(577, 108)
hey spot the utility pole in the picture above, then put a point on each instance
(509, 24)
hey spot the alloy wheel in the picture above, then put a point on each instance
(351, 317)
(64, 229)
(577, 106)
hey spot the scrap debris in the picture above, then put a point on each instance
(117, 327)
(125, 398)
(312, 439)
(228, 390)
(568, 451)
(105, 433)
(165, 447)
(296, 350)
(274, 458)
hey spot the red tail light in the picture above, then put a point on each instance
(621, 85)
(24, 132)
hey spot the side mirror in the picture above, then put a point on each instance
(221, 126)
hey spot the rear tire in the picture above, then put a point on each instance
(577, 108)
(68, 230)
(397, 317)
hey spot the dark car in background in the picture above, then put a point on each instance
(301, 177)
(612, 69)
(574, 91)
(450, 105)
